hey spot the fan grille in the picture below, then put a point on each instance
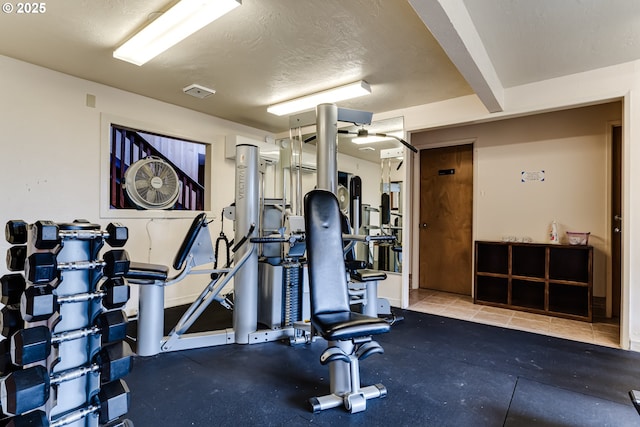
(343, 198)
(151, 183)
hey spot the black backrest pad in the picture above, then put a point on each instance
(327, 274)
(187, 243)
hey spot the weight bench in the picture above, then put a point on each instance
(349, 334)
(196, 250)
(145, 273)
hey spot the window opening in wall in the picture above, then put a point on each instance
(187, 158)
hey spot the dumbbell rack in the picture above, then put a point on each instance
(76, 400)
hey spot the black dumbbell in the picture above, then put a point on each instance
(47, 234)
(43, 267)
(111, 403)
(117, 235)
(10, 320)
(29, 388)
(16, 256)
(40, 302)
(6, 364)
(15, 231)
(33, 344)
(11, 288)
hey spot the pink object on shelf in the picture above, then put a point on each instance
(578, 238)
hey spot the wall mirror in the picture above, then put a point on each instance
(381, 211)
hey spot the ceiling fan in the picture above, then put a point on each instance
(363, 133)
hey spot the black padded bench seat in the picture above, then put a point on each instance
(147, 272)
(367, 275)
(346, 325)
(150, 273)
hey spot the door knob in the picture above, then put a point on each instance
(423, 225)
(616, 230)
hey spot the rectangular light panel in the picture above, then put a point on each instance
(183, 19)
(352, 90)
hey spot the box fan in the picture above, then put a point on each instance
(152, 183)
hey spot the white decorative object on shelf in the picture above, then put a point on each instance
(553, 233)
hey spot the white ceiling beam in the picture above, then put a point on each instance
(451, 25)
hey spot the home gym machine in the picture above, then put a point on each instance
(64, 350)
(249, 299)
(269, 277)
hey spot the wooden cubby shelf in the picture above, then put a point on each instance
(540, 278)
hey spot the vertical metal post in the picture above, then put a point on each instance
(74, 353)
(245, 304)
(339, 371)
(327, 157)
(327, 146)
(150, 319)
(371, 292)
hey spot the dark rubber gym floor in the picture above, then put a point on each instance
(438, 372)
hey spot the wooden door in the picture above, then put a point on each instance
(446, 200)
(616, 221)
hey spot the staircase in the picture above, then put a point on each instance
(128, 146)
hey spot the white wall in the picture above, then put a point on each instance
(51, 157)
(571, 147)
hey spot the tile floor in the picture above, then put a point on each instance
(604, 332)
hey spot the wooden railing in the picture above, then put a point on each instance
(128, 146)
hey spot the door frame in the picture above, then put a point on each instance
(609, 221)
(414, 244)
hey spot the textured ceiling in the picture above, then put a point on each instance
(268, 51)
(530, 41)
(261, 53)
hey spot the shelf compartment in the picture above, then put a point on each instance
(566, 263)
(492, 258)
(528, 260)
(527, 294)
(492, 289)
(569, 299)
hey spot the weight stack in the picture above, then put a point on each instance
(282, 294)
(65, 325)
(292, 291)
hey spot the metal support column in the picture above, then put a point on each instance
(327, 146)
(245, 304)
(150, 319)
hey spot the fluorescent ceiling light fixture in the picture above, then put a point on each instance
(176, 24)
(350, 91)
